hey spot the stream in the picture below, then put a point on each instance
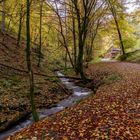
(78, 93)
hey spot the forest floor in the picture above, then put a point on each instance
(14, 87)
(113, 113)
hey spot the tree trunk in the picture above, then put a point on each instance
(19, 29)
(80, 63)
(3, 18)
(80, 68)
(82, 32)
(28, 59)
(113, 10)
(120, 36)
(65, 60)
(40, 33)
(63, 36)
(74, 39)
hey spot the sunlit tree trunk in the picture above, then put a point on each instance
(20, 27)
(120, 35)
(8, 27)
(113, 10)
(92, 34)
(63, 35)
(3, 17)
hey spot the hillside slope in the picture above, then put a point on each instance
(133, 56)
(14, 99)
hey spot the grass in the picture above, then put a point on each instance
(96, 60)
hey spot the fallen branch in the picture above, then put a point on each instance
(39, 74)
(13, 68)
(65, 90)
(4, 45)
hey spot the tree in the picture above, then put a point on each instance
(40, 33)
(74, 36)
(114, 14)
(21, 16)
(3, 17)
(62, 31)
(85, 12)
(28, 59)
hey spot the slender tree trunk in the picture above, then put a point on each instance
(63, 37)
(74, 39)
(120, 36)
(113, 10)
(40, 33)
(93, 36)
(65, 60)
(3, 18)
(28, 59)
(9, 23)
(82, 32)
(19, 29)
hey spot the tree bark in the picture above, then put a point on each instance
(63, 36)
(28, 59)
(81, 39)
(3, 17)
(20, 28)
(40, 33)
(120, 35)
(113, 10)
(74, 39)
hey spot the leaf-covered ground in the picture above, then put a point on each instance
(14, 85)
(113, 113)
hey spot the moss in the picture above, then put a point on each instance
(12, 81)
(112, 78)
(69, 71)
(133, 56)
(123, 57)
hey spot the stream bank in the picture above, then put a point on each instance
(78, 93)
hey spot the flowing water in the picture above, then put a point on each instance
(77, 94)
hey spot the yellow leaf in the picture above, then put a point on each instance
(65, 138)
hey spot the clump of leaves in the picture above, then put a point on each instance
(13, 81)
(78, 101)
(65, 114)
